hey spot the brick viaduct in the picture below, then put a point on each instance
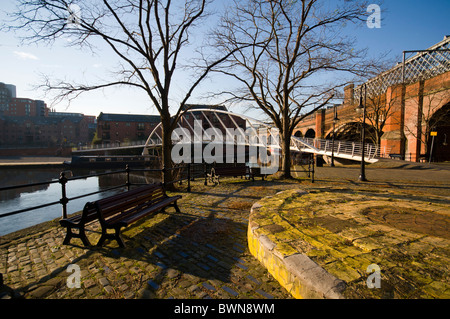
(425, 101)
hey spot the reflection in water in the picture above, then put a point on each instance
(12, 177)
(22, 198)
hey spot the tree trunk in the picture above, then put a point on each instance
(285, 156)
(167, 163)
(285, 138)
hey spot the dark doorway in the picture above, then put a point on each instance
(440, 123)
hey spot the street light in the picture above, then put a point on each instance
(335, 120)
(362, 109)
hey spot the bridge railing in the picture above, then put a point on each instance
(353, 149)
(109, 145)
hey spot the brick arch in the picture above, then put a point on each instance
(298, 133)
(310, 133)
(444, 103)
(339, 126)
(350, 125)
(441, 146)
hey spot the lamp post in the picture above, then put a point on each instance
(335, 120)
(362, 108)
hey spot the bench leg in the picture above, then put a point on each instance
(115, 236)
(118, 238)
(81, 235)
(84, 238)
(68, 237)
(175, 205)
(101, 240)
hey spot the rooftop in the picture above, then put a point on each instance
(129, 118)
(204, 106)
(39, 120)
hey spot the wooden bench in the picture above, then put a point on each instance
(121, 210)
(235, 171)
(392, 156)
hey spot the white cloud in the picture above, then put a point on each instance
(25, 55)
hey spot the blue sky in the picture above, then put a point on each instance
(406, 25)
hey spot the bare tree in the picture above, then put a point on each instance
(149, 38)
(430, 115)
(284, 53)
(377, 114)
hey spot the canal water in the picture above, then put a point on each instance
(16, 199)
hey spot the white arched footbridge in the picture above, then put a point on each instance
(241, 130)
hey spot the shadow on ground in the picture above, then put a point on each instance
(206, 247)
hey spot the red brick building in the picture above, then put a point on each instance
(117, 128)
(25, 107)
(40, 131)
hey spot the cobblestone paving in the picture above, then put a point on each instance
(200, 253)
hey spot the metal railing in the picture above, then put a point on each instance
(109, 145)
(351, 149)
(425, 64)
(310, 170)
(182, 172)
(186, 172)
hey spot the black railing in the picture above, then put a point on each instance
(310, 171)
(31, 208)
(190, 174)
(186, 172)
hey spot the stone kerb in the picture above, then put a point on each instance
(268, 235)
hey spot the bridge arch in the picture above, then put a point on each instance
(223, 120)
(310, 133)
(439, 123)
(210, 118)
(351, 131)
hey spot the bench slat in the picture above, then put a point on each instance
(130, 211)
(131, 218)
(112, 207)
